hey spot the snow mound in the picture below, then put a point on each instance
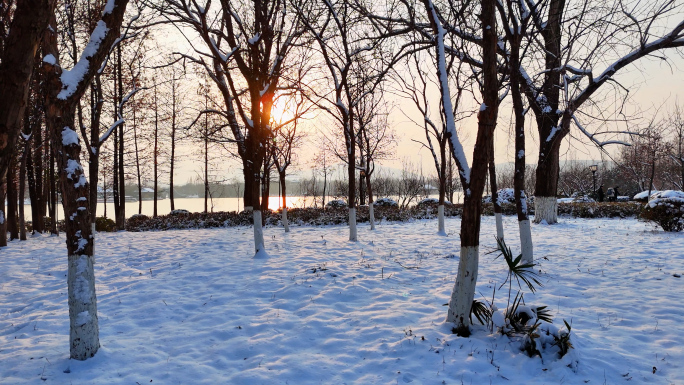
(385, 202)
(336, 203)
(643, 195)
(667, 194)
(505, 195)
(432, 201)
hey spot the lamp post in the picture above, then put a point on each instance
(593, 169)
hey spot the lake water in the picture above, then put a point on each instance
(190, 204)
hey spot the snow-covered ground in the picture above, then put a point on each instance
(193, 307)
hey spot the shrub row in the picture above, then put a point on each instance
(669, 214)
(338, 216)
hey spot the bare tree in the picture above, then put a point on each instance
(286, 141)
(246, 48)
(375, 141)
(415, 83)
(66, 87)
(575, 40)
(354, 65)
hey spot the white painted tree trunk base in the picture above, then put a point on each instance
(464, 289)
(371, 213)
(286, 225)
(526, 241)
(499, 226)
(84, 334)
(546, 210)
(353, 234)
(441, 228)
(259, 249)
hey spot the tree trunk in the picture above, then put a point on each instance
(369, 189)
(173, 142)
(53, 192)
(137, 165)
(116, 194)
(39, 188)
(519, 164)
(12, 197)
(495, 196)
(546, 185)
(3, 221)
(362, 191)
(441, 228)
(206, 162)
(96, 102)
(464, 289)
(351, 175)
(283, 189)
(83, 319)
(121, 217)
(22, 189)
(156, 151)
(325, 186)
(173, 162)
(249, 201)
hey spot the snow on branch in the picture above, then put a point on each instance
(457, 148)
(73, 77)
(120, 119)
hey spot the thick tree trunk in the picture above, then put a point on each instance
(546, 185)
(464, 289)
(83, 320)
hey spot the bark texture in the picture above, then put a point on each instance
(16, 65)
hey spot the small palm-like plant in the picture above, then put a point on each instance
(517, 270)
(563, 340)
(481, 311)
